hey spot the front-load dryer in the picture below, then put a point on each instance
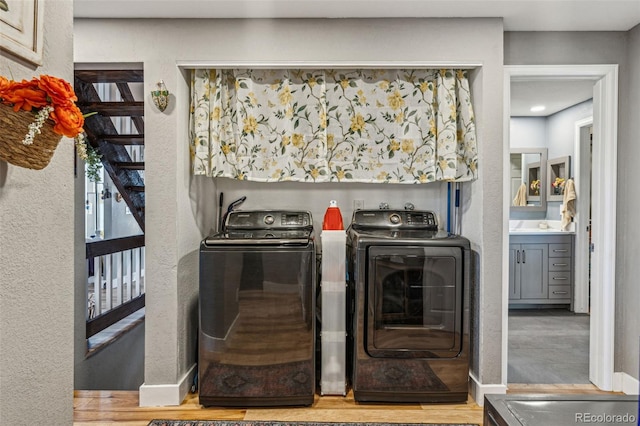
(409, 297)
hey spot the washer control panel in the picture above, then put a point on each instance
(268, 219)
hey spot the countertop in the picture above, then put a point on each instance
(539, 227)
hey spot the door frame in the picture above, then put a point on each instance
(581, 245)
(605, 121)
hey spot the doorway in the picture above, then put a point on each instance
(548, 333)
(601, 329)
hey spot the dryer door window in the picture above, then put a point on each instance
(414, 302)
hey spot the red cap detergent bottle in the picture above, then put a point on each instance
(332, 217)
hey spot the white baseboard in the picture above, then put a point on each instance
(623, 382)
(169, 394)
(478, 390)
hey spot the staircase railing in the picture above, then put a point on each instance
(115, 281)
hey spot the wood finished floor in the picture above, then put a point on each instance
(105, 408)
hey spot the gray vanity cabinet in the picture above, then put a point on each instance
(540, 269)
(528, 273)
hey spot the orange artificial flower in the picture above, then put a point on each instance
(24, 95)
(38, 93)
(59, 91)
(49, 92)
(68, 120)
(50, 98)
(4, 85)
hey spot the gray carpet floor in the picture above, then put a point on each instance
(548, 346)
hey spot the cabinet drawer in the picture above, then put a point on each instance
(560, 250)
(559, 264)
(560, 278)
(559, 292)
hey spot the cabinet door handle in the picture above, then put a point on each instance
(560, 250)
(524, 259)
(517, 256)
(560, 264)
(560, 278)
(560, 292)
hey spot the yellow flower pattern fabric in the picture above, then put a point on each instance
(391, 126)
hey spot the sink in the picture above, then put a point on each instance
(532, 227)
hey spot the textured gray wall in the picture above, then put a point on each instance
(548, 48)
(628, 246)
(118, 366)
(180, 208)
(36, 259)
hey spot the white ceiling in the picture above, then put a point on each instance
(517, 15)
(555, 95)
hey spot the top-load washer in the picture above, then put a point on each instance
(257, 299)
(409, 295)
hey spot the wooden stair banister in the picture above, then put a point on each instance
(110, 76)
(136, 188)
(129, 165)
(114, 109)
(102, 247)
(123, 139)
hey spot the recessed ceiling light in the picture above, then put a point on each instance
(538, 108)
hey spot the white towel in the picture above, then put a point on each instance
(568, 209)
(521, 196)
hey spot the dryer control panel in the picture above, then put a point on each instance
(404, 219)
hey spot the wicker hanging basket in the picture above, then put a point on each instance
(14, 126)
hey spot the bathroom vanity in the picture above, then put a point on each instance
(540, 266)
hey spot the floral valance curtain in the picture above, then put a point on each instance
(392, 126)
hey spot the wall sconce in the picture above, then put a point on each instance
(160, 96)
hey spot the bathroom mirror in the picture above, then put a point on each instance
(528, 179)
